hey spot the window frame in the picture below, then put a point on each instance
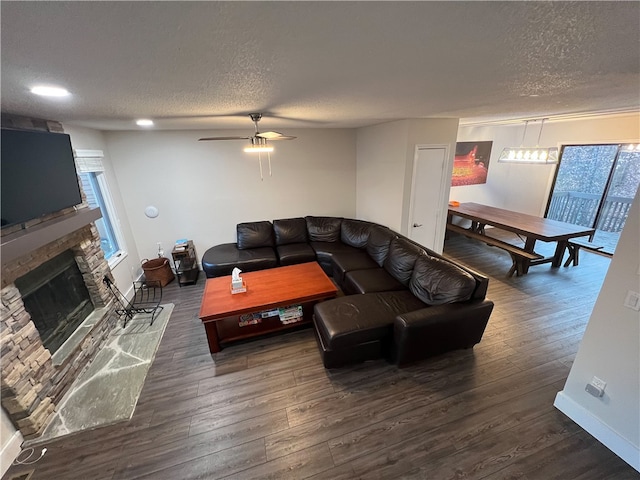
(90, 161)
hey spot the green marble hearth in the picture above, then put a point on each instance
(107, 392)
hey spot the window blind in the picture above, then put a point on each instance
(89, 161)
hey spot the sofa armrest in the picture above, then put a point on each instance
(438, 329)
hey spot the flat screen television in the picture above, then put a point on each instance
(37, 175)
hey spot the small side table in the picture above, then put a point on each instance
(186, 264)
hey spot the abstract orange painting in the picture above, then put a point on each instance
(471, 163)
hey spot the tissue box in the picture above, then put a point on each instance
(237, 284)
(238, 290)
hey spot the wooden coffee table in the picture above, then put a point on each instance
(304, 284)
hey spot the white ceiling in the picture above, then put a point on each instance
(191, 65)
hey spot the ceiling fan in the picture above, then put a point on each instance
(258, 141)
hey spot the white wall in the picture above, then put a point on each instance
(381, 160)
(203, 189)
(525, 188)
(129, 267)
(385, 156)
(610, 350)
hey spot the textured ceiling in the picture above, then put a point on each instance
(318, 64)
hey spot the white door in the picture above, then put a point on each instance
(428, 191)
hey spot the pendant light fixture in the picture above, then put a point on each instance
(538, 155)
(259, 146)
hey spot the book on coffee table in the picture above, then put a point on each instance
(290, 314)
(249, 319)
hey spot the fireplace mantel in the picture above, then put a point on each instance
(29, 239)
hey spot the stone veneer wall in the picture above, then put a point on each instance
(31, 385)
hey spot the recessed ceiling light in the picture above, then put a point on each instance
(144, 122)
(46, 91)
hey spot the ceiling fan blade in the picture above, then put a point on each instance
(284, 137)
(274, 136)
(224, 138)
(260, 138)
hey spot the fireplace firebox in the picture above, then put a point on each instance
(56, 297)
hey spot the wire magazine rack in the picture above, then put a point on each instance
(146, 299)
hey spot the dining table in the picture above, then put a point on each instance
(530, 228)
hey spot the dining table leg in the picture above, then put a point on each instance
(529, 245)
(559, 254)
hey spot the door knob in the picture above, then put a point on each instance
(416, 225)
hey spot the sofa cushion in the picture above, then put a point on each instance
(290, 230)
(378, 243)
(436, 281)
(221, 259)
(295, 253)
(343, 263)
(326, 250)
(355, 233)
(323, 229)
(254, 235)
(370, 281)
(349, 321)
(401, 259)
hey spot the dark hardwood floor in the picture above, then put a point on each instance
(268, 408)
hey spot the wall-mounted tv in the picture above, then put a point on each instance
(37, 175)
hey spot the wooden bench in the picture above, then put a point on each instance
(574, 245)
(519, 257)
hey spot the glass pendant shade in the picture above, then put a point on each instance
(537, 155)
(540, 155)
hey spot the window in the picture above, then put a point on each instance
(594, 187)
(94, 184)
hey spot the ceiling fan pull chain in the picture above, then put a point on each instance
(540, 133)
(526, 124)
(260, 162)
(269, 157)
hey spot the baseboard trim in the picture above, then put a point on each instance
(10, 452)
(611, 439)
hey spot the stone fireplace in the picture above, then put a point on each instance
(38, 364)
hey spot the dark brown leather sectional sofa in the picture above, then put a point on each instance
(402, 301)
